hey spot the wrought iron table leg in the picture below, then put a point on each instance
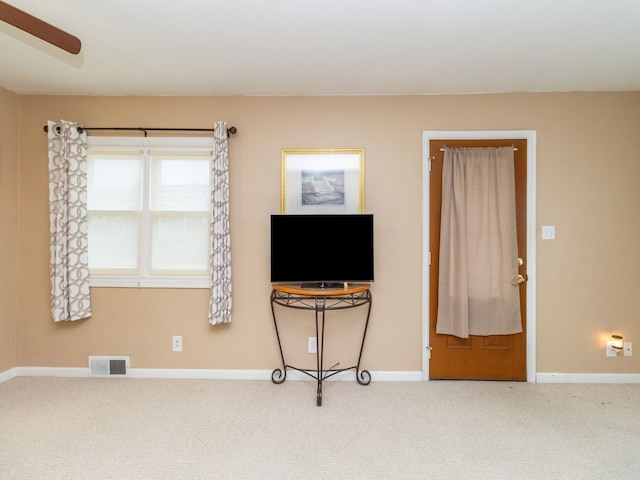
(278, 376)
(320, 309)
(364, 377)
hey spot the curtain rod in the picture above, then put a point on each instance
(230, 130)
(442, 149)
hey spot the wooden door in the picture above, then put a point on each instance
(495, 357)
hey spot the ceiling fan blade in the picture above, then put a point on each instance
(38, 28)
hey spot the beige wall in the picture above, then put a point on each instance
(588, 172)
(9, 120)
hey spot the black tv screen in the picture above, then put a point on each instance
(322, 249)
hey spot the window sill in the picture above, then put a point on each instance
(148, 282)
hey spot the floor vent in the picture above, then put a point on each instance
(109, 365)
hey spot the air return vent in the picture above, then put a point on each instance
(109, 365)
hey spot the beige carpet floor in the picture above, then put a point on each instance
(88, 428)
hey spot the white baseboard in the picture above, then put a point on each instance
(546, 377)
(349, 375)
(197, 373)
(51, 372)
(7, 375)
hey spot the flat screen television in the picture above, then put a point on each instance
(322, 250)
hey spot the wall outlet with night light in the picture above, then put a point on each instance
(616, 345)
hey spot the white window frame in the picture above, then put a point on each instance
(181, 144)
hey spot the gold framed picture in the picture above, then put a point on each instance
(322, 180)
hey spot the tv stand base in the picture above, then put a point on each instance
(321, 301)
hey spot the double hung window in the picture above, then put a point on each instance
(149, 204)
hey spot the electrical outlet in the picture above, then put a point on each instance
(627, 349)
(312, 345)
(177, 343)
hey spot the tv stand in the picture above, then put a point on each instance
(321, 299)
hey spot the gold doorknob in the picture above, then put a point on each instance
(520, 262)
(518, 280)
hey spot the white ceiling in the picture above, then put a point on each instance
(327, 47)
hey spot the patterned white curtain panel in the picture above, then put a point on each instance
(69, 266)
(220, 304)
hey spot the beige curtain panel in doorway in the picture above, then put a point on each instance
(478, 244)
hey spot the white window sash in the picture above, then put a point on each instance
(145, 277)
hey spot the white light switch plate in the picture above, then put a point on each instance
(548, 232)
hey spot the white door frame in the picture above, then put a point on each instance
(530, 136)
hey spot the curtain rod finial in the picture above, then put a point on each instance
(56, 128)
(232, 130)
